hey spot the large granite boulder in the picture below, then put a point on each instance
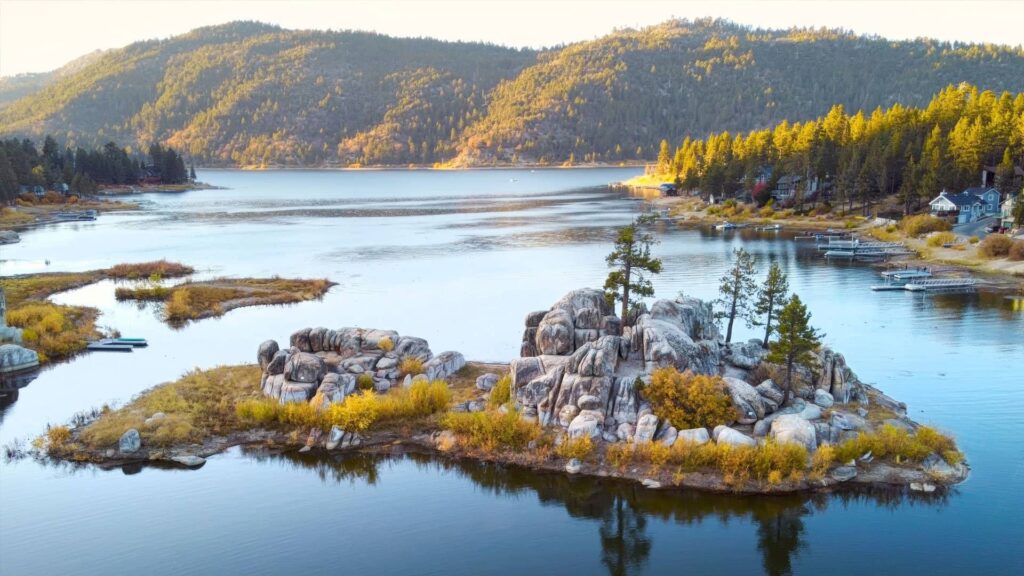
(556, 334)
(732, 437)
(745, 355)
(791, 428)
(646, 426)
(586, 423)
(266, 353)
(304, 367)
(130, 442)
(444, 365)
(695, 436)
(14, 358)
(747, 401)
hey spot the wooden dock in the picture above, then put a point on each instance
(932, 286)
(116, 344)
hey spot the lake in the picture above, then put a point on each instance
(459, 258)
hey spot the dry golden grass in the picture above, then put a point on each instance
(10, 218)
(142, 270)
(200, 404)
(899, 445)
(492, 431)
(54, 331)
(357, 413)
(578, 448)
(197, 300)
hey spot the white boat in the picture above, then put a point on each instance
(770, 228)
(726, 226)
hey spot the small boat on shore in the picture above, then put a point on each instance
(726, 226)
(769, 228)
(117, 344)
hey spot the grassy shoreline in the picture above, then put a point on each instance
(207, 411)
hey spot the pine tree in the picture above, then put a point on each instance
(663, 158)
(631, 261)
(797, 339)
(1004, 174)
(770, 297)
(737, 288)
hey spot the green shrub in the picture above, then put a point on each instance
(356, 414)
(995, 245)
(924, 224)
(364, 381)
(687, 400)
(973, 239)
(501, 393)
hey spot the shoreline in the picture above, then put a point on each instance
(391, 442)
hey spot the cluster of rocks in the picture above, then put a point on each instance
(580, 368)
(332, 362)
(15, 360)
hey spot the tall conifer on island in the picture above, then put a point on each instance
(797, 339)
(770, 297)
(631, 261)
(737, 288)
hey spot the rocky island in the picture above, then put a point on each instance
(578, 399)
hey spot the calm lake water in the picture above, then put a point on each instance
(459, 258)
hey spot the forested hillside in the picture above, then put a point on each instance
(909, 152)
(253, 94)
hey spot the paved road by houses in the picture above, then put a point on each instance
(977, 228)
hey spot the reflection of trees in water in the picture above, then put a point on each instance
(623, 509)
(625, 545)
(332, 467)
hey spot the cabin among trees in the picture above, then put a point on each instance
(26, 170)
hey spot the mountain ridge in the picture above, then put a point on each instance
(254, 94)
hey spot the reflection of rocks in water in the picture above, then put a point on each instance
(10, 383)
(622, 508)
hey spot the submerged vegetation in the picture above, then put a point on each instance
(205, 299)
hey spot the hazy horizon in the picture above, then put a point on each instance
(528, 24)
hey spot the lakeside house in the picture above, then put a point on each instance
(968, 206)
(786, 188)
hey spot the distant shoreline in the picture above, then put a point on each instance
(417, 168)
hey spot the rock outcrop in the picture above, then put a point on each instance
(580, 367)
(324, 365)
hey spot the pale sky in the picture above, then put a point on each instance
(40, 35)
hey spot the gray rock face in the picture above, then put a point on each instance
(625, 400)
(597, 358)
(771, 392)
(296, 391)
(130, 442)
(266, 353)
(934, 465)
(277, 363)
(555, 334)
(695, 436)
(586, 423)
(668, 436)
(486, 381)
(726, 435)
(14, 358)
(848, 421)
(573, 466)
(823, 398)
(189, 460)
(444, 365)
(645, 428)
(745, 354)
(844, 473)
(791, 428)
(748, 403)
(305, 368)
